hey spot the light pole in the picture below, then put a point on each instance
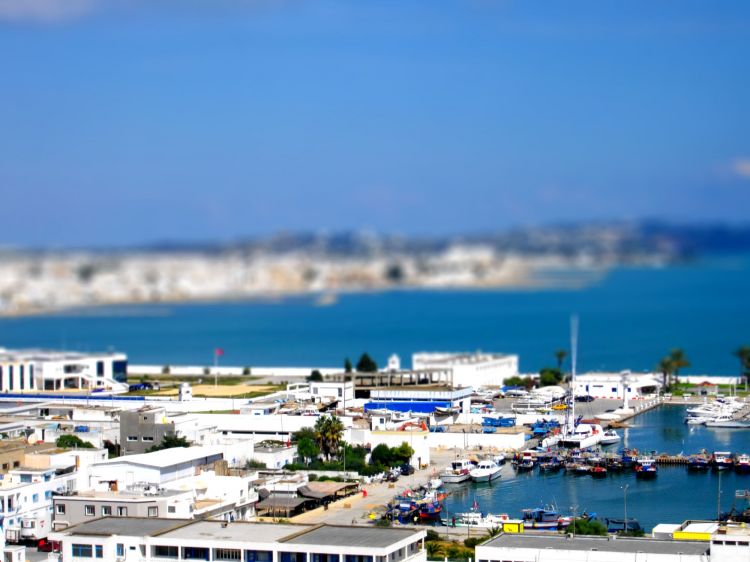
(625, 503)
(574, 509)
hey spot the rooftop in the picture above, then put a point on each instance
(236, 531)
(601, 544)
(167, 457)
(355, 537)
(126, 526)
(50, 355)
(458, 358)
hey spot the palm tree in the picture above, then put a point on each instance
(560, 355)
(666, 368)
(743, 354)
(328, 432)
(679, 360)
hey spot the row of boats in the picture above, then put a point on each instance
(722, 413)
(720, 460)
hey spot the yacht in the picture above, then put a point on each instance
(584, 435)
(610, 437)
(457, 472)
(486, 471)
(727, 421)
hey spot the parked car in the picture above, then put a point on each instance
(407, 469)
(49, 546)
(584, 398)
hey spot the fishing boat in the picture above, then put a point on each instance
(430, 511)
(544, 519)
(699, 462)
(598, 468)
(610, 437)
(722, 460)
(475, 518)
(742, 464)
(629, 457)
(646, 468)
(486, 471)
(457, 472)
(406, 513)
(550, 464)
(435, 483)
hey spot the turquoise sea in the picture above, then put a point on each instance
(629, 319)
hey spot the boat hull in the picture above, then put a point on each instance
(486, 477)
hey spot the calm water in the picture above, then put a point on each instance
(629, 320)
(673, 496)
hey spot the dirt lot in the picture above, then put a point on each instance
(222, 390)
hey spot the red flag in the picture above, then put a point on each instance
(218, 352)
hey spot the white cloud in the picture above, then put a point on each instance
(741, 168)
(44, 11)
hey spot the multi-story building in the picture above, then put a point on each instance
(143, 428)
(43, 370)
(207, 495)
(161, 540)
(26, 493)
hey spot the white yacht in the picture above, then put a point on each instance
(584, 435)
(486, 471)
(610, 437)
(457, 472)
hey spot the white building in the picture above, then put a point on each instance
(611, 385)
(528, 547)
(157, 468)
(26, 493)
(157, 540)
(43, 370)
(470, 369)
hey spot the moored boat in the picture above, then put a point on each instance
(457, 472)
(486, 471)
(742, 464)
(544, 519)
(699, 462)
(646, 468)
(722, 460)
(610, 437)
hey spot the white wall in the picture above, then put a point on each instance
(417, 440)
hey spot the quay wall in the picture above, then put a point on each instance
(496, 441)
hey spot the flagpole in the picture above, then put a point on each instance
(216, 364)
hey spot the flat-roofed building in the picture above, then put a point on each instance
(159, 540)
(473, 369)
(34, 370)
(528, 547)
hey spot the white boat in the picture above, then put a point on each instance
(476, 519)
(435, 483)
(584, 435)
(457, 472)
(610, 437)
(697, 420)
(486, 471)
(728, 422)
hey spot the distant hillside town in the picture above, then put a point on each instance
(33, 281)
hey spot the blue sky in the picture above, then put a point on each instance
(128, 121)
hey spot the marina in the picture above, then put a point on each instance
(651, 501)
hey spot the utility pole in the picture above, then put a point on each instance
(625, 494)
(718, 500)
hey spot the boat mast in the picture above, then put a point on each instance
(573, 360)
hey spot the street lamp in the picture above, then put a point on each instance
(625, 503)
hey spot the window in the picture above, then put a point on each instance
(195, 553)
(100, 368)
(258, 556)
(99, 551)
(60, 508)
(5, 464)
(120, 549)
(106, 510)
(16, 464)
(122, 512)
(230, 554)
(82, 551)
(171, 509)
(35, 498)
(153, 511)
(148, 439)
(25, 478)
(293, 557)
(325, 557)
(20, 376)
(89, 510)
(161, 551)
(132, 438)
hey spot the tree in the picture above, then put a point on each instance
(366, 364)
(328, 432)
(679, 360)
(170, 441)
(315, 376)
(307, 449)
(304, 433)
(743, 354)
(560, 356)
(72, 442)
(381, 455)
(583, 526)
(666, 368)
(347, 365)
(550, 377)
